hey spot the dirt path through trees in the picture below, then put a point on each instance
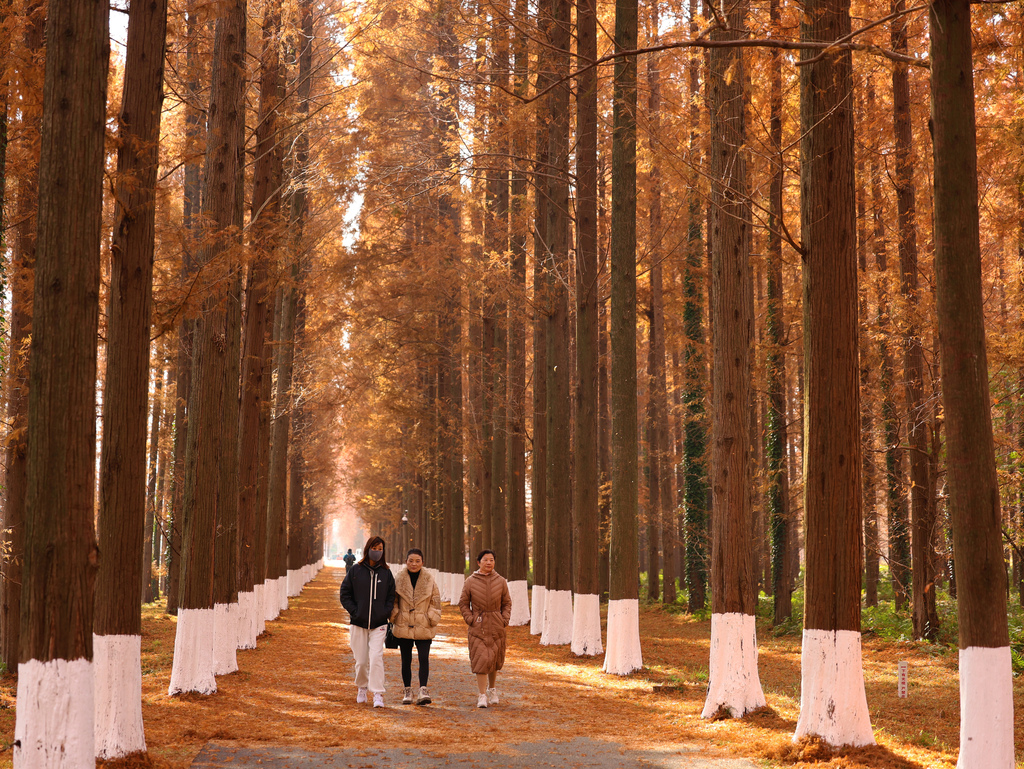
(292, 703)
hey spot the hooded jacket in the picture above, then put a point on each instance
(368, 595)
(417, 610)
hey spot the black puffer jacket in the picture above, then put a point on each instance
(368, 595)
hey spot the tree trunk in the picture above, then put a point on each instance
(925, 613)
(586, 635)
(776, 438)
(22, 284)
(604, 398)
(624, 654)
(193, 668)
(519, 553)
(833, 705)
(150, 588)
(733, 683)
(986, 712)
(61, 554)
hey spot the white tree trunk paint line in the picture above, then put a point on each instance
(53, 726)
(258, 611)
(623, 654)
(537, 610)
(271, 603)
(282, 592)
(557, 618)
(117, 692)
(225, 638)
(733, 681)
(586, 625)
(192, 670)
(520, 593)
(986, 708)
(248, 627)
(295, 582)
(458, 581)
(833, 704)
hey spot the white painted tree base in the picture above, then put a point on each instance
(833, 704)
(733, 681)
(295, 582)
(271, 603)
(192, 669)
(455, 585)
(537, 610)
(623, 654)
(586, 625)
(258, 611)
(557, 618)
(117, 692)
(986, 708)
(520, 593)
(225, 638)
(248, 627)
(53, 726)
(442, 579)
(282, 592)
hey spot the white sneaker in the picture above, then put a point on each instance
(481, 701)
(378, 700)
(492, 696)
(361, 695)
(424, 698)
(407, 696)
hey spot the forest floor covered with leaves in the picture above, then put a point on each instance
(295, 691)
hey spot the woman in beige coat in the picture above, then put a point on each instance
(415, 616)
(486, 606)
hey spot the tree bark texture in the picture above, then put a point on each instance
(832, 494)
(60, 548)
(732, 578)
(970, 465)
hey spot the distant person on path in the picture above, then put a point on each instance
(368, 595)
(415, 617)
(349, 559)
(486, 606)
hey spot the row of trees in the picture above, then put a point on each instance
(203, 257)
(774, 170)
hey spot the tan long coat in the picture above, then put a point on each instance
(418, 611)
(486, 606)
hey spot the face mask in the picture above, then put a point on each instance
(375, 555)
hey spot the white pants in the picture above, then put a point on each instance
(368, 651)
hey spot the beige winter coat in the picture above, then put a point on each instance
(418, 611)
(486, 606)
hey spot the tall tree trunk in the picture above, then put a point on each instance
(733, 683)
(586, 635)
(558, 597)
(986, 691)
(255, 367)
(776, 439)
(925, 613)
(833, 705)
(623, 654)
(193, 668)
(696, 497)
(519, 553)
(22, 287)
(61, 555)
(604, 396)
(191, 222)
(540, 336)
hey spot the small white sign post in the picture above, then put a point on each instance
(901, 678)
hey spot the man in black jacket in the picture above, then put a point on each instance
(368, 595)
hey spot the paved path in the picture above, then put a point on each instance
(302, 711)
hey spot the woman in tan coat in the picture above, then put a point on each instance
(486, 606)
(415, 617)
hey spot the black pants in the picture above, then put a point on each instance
(422, 651)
